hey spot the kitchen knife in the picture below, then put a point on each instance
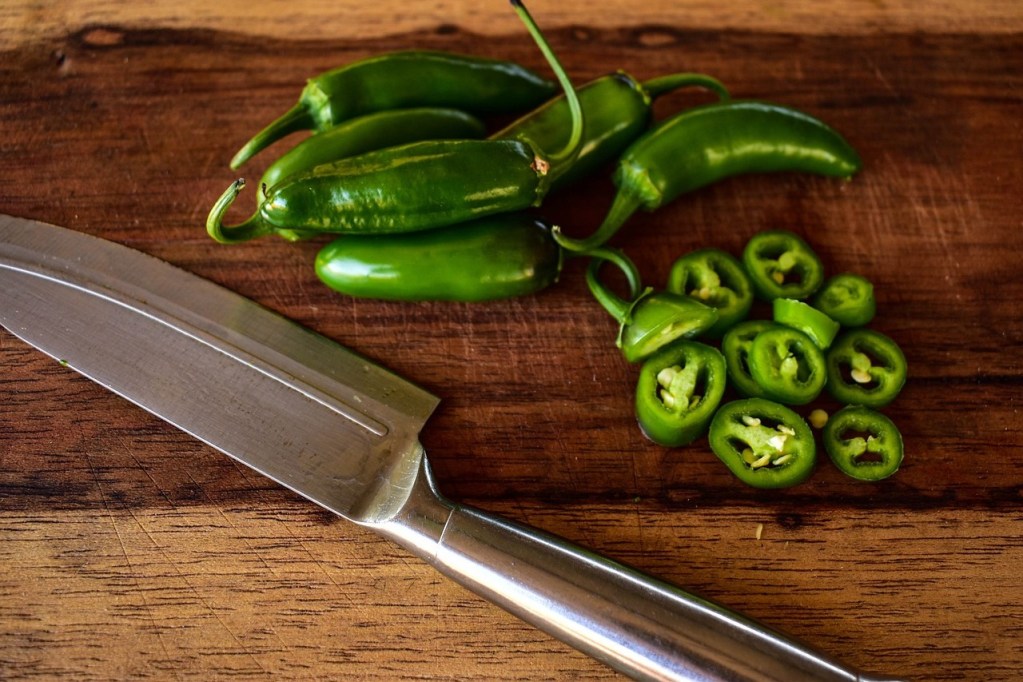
(343, 432)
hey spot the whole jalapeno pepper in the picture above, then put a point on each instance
(735, 345)
(863, 443)
(648, 320)
(712, 142)
(678, 390)
(764, 444)
(398, 80)
(412, 187)
(787, 365)
(848, 299)
(781, 265)
(865, 367)
(500, 256)
(792, 313)
(716, 278)
(617, 109)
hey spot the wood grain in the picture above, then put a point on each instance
(131, 551)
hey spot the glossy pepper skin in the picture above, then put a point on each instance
(865, 367)
(735, 345)
(780, 264)
(679, 388)
(648, 320)
(848, 299)
(863, 443)
(787, 365)
(706, 144)
(396, 80)
(617, 109)
(491, 258)
(814, 323)
(764, 444)
(715, 278)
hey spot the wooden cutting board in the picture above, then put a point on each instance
(130, 551)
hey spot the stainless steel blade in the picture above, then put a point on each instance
(305, 411)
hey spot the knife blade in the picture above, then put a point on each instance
(343, 432)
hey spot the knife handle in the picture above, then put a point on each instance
(641, 626)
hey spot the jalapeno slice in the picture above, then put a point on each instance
(848, 299)
(735, 346)
(678, 390)
(766, 445)
(716, 278)
(787, 365)
(802, 316)
(865, 367)
(863, 443)
(781, 265)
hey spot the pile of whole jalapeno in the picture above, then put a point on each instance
(422, 202)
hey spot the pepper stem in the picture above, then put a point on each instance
(618, 307)
(250, 229)
(294, 119)
(571, 149)
(655, 87)
(624, 205)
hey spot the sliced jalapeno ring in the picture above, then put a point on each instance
(863, 443)
(848, 299)
(787, 365)
(781, 265)
(802, 316)
(715, 278)
(678, 390)
(865, 367)
(764, 444)
(735, 346)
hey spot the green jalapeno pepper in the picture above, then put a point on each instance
(709, 143)
(617, 109)
(863, 443)
(500, 256)
(865, 367)
(782, 265)
(678, 390)
(848, 299)
(735, 345)
(787, 365)
(716, 278)
(792, 313)
(650, 320)
(764, 444)
(412, 187)
(397, 80)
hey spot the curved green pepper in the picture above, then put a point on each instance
(848, 299)
(491, 258)
(617, 109)
(798, 315)
(787, 365)
(735, 345)
(766, 445)
(865, 367)
(678, 390)
(649, 320)
(397, 80)
(781, 265)
(411, 187)
(716, 278)
(709, 143)
(863, 443)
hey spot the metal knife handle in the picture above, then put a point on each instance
(645, 628)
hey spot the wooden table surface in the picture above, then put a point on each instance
(130, 551)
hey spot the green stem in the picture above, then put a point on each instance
(655, 87)
(250, 229)
(559, 158)
(294, 119)
(616, 306)
(624, 205)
